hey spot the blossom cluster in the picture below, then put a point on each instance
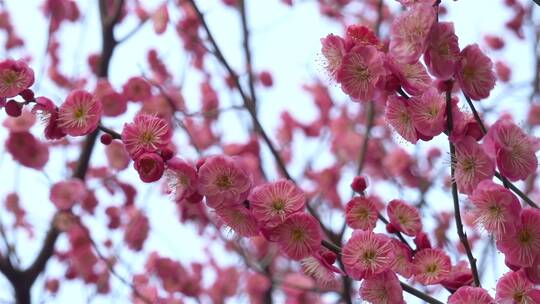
(413, 76)
(417, 95)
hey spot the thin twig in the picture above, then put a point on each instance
(247, 52)
(457, 212)
(112, 271)
(111, 132)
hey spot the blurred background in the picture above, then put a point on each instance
(285, 41)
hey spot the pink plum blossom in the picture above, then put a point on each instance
(80, 113)
(273, 202)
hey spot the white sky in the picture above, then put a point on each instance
(285, 41)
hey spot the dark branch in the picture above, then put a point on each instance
(457, 212)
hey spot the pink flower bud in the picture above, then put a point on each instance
(13, 108)
(359, 184)
(106, 139)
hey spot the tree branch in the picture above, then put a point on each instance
(22, 281)
(457, 212)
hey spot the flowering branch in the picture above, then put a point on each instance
(114, 134)
(111, 270)
(505, 181)
(457, 213)
(406, 287)
(248, 104)
(22, 281)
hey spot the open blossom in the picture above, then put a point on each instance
(319, 267)
(383, 288)
(512, 148)
(404, 217)
(150, 167)
(472, 165)
(15, 76)
(522, 245)
(80, 113)
(428, 112)
(515, 288)
(413, 77)
(181, 177)
(66, 194)
(273, 202)
(361, 213)
(366, 254)
(240, 219)
(410, 31)
(495, 208)
(403, 259)
(48, 113)
(223, 180)
(474, 73)
(333, 50)
(146, 134)
(443, 51)
(361, 68)
(470, 295)
(459, 276)
(431, 266)
(399, 117)
(467, 127)
(298, 236)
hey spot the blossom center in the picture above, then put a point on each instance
(432, 268)
(362, 73)
(369, 256)
(278, 205)
(525, 237)
(495, 211)
(518, 296)
(223, 182)
(147, 137)
(10, 77)
(362, 213)
(469, 73)
(297, 235)
(79, 113)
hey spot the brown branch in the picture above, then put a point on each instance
(247, 52)
(457, 212)
(111, 132)
(250, 107)
(247, 101)
(417, 293)
(22, 281)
